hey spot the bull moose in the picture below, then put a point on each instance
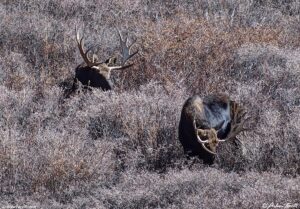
(97, 74)
(207, 121)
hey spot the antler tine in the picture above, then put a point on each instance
(125, 49)
(196, 130)
(120, 67)
(84, 55)
(236, 131)
(238, 120)
(133, 42)
(202, 142)
(80, 47)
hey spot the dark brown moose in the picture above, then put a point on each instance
(207, 121)
(97, 74)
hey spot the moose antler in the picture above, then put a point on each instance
(84, 55)
(238, 120)
(212, 140)
(125, 51)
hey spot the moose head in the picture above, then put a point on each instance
(93, 73)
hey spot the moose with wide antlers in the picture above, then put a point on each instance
(207, 121)
(93, 73)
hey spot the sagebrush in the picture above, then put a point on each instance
(120, 149)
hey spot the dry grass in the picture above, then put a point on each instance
(120, 149)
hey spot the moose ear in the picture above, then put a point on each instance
(113, 60)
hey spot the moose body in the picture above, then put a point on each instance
(206, 122)
(90, 76)
(97, 74)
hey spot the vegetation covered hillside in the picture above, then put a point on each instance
(120, 148)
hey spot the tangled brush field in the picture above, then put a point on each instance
(120, 149)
